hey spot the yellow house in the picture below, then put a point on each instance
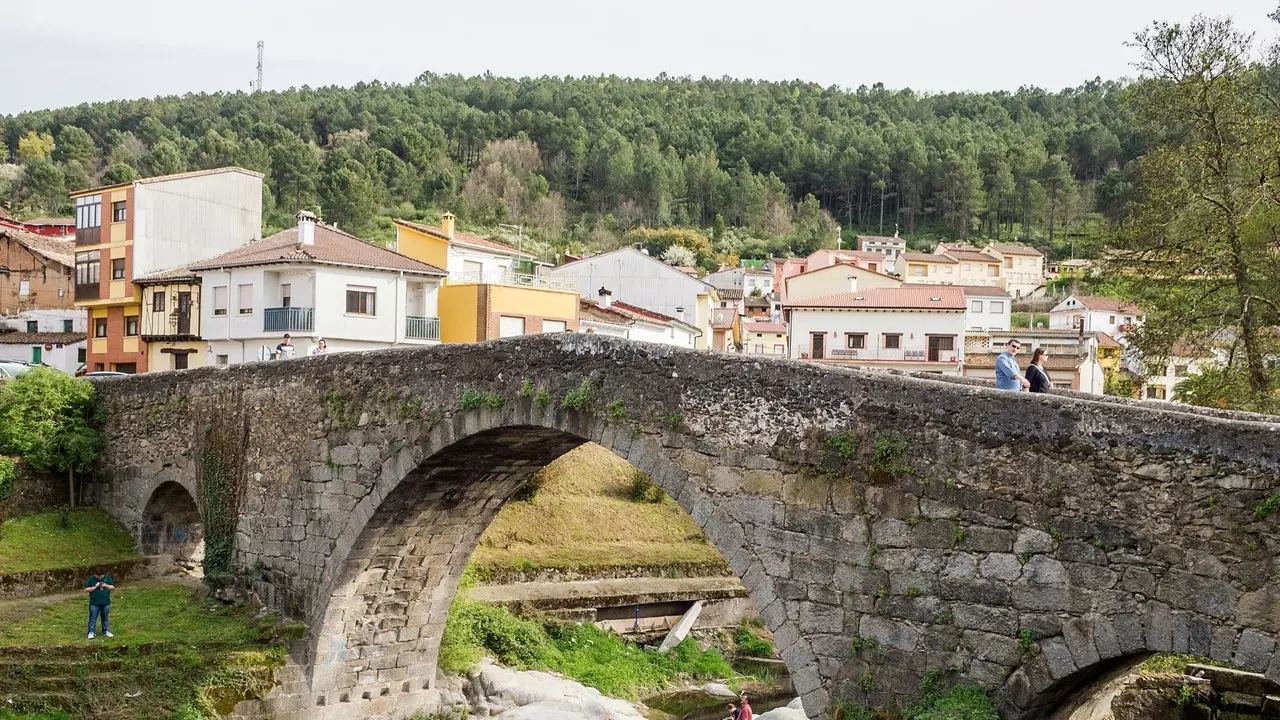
(491, 291)
(976, 268)
(835, 279)
(1108, 352)
(764, 338)
(928, 269)
(171, 320)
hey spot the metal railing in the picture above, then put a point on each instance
(421, 328)
(285, 319)
(890, 354)
(506, 277)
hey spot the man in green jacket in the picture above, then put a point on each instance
(99, 587)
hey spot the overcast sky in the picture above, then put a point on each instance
(64, 52)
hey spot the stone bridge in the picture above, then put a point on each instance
(892, 529)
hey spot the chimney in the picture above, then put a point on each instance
(853, 283)
(895, 229)
(446, 224)
(306, 228)
(606, 297)
(680, 314)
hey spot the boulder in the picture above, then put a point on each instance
(526, 694)
(1147, 697)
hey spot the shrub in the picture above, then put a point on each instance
(643, 489)
(528, 492)
(965, 702)
(8, 476)
(1265, 509)
(751, 644)
(579, 398)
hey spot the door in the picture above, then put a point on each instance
(817, 345)
(939, 344)
(37, 354)
(184, 313)
(180, 361)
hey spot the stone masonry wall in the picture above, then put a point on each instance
(893, 530)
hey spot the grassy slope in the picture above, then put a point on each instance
(582, 518)
(38, 542)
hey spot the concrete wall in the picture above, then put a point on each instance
(181, 221)
(938, 519)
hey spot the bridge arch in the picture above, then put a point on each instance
(890, 528)
(171, 525)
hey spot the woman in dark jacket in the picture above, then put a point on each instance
(1036, 374)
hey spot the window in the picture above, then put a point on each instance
(89, 211)
(33, 326)
(118, 211)
(779, 350)
(220, 360)
(68, 326)
(550, 326)
(759, 348)
(220, 300)
(997, 306)
(1155, 392)
(128, 368)
(286, 295)
(918, 270)
(1128, 321)
(975, 306)
(855, 341)
(244, 299)
(99, 327)
(180, 361)
(510, 326)
(81, 355)
(24, 288)
(117, 269)
(87, 267)
(360, 301)
(98, 367)
(1008, 262)
(893, 341)
(157, 301)
(968, 267)
(1179, 370)
(1112, 321)
(130, 325)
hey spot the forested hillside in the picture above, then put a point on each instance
(587, 159)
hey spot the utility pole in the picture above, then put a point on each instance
(257, 87)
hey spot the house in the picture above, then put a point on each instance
(133, 229)
(639, 280)
(785, 268)
(749, 281)
(1090, 314)
(35, 272)
(973, 267)
(759, 307)
(890, 247)
(1109, 351)
(726, 329)
(1073, 358)
(491, 291)
(1070, 268)
(825, 257)
(987, 308)
(928, 269)
(171, 319)
(834, 279)
(627, 321)
(1022, 267)
(60, 350)
(764, 338)
(731, 298)
(47, 227)
(912, 328)
(314, 281)
(1160, 378)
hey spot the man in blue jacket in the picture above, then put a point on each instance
(1008, 375)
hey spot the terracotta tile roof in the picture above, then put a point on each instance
(691, 271)
(1106, 304)
(167, 178)
(647, 315)
(729, 293)
(851, 266)
(882, 238)
(588, 310)
(982, 290)
(926, 257)
(167, 276)
(462, 238)
(1015, 249)
(1056, 361)
(764, 327)
(962, 247)
(40, 338)
(1105, 340)
(752, 301)
(971, 256)
(49, 221)
(60, 251)
(850, 254)
(331, 247)
(907, 297)
(722, 318)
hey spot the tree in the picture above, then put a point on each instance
(48, 418)
(346, 196)
(45, 184)
(1199, 243)
(118, 173)
(75, 145)
(679, 256)
(294, 165)
(1220, 387)
(34, 147)
(164, 158)
(1055, 177)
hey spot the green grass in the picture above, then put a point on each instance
(584, 517)
(1177, 663)
(178, 656)
(145, 614)
(965, 702)
(585, 653)
(752, 644)
(39, 542)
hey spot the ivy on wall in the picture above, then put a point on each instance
(219, 489)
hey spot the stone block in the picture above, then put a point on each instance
(1223, 643)
(974, 591)
(1206, 595)
(895, 634)
(889, 533)
(987, 540)
(1158, 622)
(933, 533)
(1041, 625)
(1261, 609)
(962, 566)
(1000, 566)
(1078, 632)
(993, 648)
(921, 609)
(984, 617)
(807, 491)
(1094, 577)
(1030, 540)
(1254, 650)
(1080, 552)
(890, 503)
(344, 455)
(817, 618)
(1043, 570)
(1058, 657)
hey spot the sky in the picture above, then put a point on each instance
(67, 52)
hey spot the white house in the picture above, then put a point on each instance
(1022, 267)
(890, 247)
(618, 319)
(640, 281)
(986, 308)
(1095, 314)
(746, 280)
(313, 281)
(53, 337)
(910, 327)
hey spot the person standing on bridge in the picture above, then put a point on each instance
(99, 587)
(1036, 373)
(1008, 376)
(284, 351)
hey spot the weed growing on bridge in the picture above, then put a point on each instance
(1251, 545)
(340, 410)
(526, 388)
(1268, 507)
(1026, 640)
(674, 420)
(912, 591)
(958, 534)
(616, 410)
(410, 409)
(751, 644)
(580, 398)
(867, 682)
(472, 399)
(542, 398)
(643, 489)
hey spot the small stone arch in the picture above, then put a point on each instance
(171, 525)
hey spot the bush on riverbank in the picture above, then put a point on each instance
(585, 653)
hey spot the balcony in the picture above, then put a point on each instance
(506, 277)
(421, 328)
(288, 319)
(913, 355)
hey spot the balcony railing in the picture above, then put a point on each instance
(891, 354)
(421, 328)
(287, 319)
(506, 277)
